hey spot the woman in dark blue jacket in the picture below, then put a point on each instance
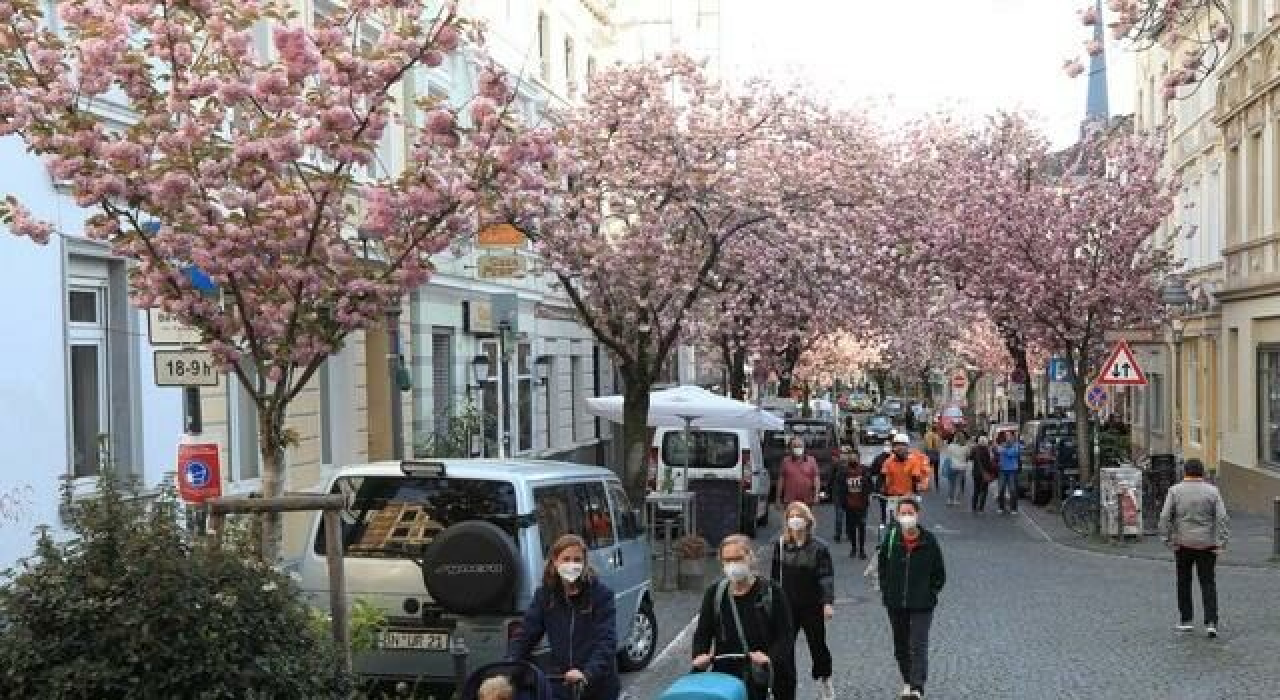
(576, 613)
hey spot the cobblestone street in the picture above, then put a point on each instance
(1022, 617)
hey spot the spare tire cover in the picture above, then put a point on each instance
(472, 567)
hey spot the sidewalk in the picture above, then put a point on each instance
(1250, 543)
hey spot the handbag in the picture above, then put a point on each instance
(760, 676)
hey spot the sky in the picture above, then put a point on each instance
(910, 57)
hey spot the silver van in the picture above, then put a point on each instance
(452, 550)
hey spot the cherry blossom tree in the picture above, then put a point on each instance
(1198, 34)
(664, 173)
(260, 166)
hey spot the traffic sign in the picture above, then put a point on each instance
(1018, 392)
(1122, 369)
(164, 328)
(185, 368)
(199, 472)
(1059, 370)
(1096, 397)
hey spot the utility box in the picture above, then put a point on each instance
(1121, 498)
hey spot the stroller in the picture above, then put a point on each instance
(709, 685)
(529, 681)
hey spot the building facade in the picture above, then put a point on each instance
(1246, 112)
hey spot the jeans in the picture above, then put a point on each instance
(954, 479)
(1009, 482)
(934, 457)
(856, 528)
(839, 509)
(911, 644)
(1203, 561)
(980, 489)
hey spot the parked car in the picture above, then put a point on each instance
(714, 454)
(893, 408)
(950, 419)
(877, 430)
(821, 442)
(454, 549)
(1039, 443)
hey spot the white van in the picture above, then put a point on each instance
(715, 453)
(422, 542)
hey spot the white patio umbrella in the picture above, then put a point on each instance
(690, 407)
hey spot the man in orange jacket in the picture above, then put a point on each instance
(907, 471)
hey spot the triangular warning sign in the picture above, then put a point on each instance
(1122, 368)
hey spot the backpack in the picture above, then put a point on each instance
(765, 602)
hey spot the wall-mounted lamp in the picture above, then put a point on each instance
(480, 368)
(542, 369)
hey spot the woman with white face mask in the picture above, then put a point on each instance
(746, 614)
(802, 567)
(576, 613)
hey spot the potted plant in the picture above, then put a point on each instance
(691, 551)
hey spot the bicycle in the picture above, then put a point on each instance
(1081, 510)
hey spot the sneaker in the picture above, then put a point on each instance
(1014, 511)
(862, 554)
(825, 691)
(1184, 627)
(1002, 511)
(837, 538)
(906, 691)
(1212, 631)
(853, 553)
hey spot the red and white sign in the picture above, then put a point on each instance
(199, 473)
(1122, 368)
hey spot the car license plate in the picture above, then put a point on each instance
(413, 641)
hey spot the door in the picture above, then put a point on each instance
(632, 558)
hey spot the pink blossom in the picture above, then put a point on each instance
(1073, 67)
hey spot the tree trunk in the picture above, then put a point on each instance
(737, 364)
(271, 442)
(1084, 443)
(1028, 410)
(635, 434)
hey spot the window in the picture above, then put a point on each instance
(627, 524)
(1232, 193)
(575, 395)
(441, 379)
(246, 455)
(1233, 378)
(704, 448)
(397, 516)
(90, 389)
(524, 400)
(1155, 403)
(570, 73)
(558, 513)
(1193, 394)
(596, 514)
(591, 67)
(1254, 188)
(544, 45)
(1269, 406)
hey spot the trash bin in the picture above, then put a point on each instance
(1121, 501)
(716, 508)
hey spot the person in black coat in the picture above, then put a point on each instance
(802, 567)
(576, 612)
(851, 495)
(911, 575)
(766, 625)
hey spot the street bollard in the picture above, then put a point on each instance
(1275, 532)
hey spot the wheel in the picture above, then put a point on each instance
(1075, 514)
(642, 642)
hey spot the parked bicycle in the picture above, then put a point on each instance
(1081, 510)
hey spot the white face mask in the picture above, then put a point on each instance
(736, 571)
(797, 523)
(797, 451)
(570, 572)
(908, 522)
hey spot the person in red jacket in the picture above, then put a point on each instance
(798, 478)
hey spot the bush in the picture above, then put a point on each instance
(131, 606)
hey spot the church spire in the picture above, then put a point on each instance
(1096, 108)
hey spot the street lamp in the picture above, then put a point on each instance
(480, 368)
(1176, 299)
(480, 373)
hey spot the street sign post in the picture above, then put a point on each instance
(1059, 370)
(163, 328)
(188, 368)
(1018, 392)
(1122, 368)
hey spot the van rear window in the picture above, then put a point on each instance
(816, 435)
(716, 450)
(398, 516)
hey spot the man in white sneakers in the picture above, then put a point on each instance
(1194, 522)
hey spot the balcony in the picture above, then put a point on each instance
(1253, 267)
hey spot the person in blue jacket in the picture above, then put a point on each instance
(1009, 453)
(576, 613)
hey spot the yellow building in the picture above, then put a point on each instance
(1247, 109)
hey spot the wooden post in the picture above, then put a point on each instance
(337, 585)
(330, 505)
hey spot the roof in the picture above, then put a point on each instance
(529, 469)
